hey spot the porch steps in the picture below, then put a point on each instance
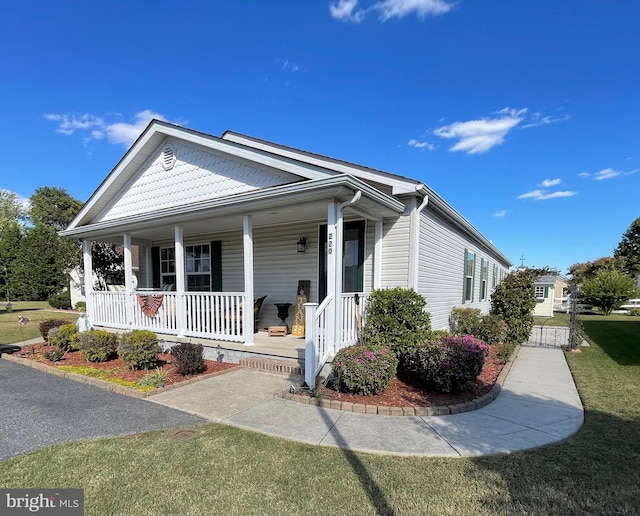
(272, 365)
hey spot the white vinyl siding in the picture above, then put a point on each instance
(395, 252)
(441, 269)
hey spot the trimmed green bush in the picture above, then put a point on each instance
(634, 312)
(363, 370)
(55, 355)
(465, 321)
(65, 337)
(188, 358)
(81, 306)
(396, 318)
(46, 325)
(61, 301)
(493, 329)
(504, 350)
(450, 365)
(139, 349)
(97, 345)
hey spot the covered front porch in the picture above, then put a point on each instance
(200, 270)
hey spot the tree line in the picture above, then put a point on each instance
(34, 260)
(608, 282)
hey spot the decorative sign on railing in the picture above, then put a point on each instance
(150, 303)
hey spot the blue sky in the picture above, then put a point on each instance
(523, 115)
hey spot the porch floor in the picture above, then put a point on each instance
(289, 347)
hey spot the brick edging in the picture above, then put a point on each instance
(104, 384)
(362, 408)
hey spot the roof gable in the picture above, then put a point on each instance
(180, 173)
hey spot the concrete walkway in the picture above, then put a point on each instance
(538, 405)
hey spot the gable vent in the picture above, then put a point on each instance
(168, 158)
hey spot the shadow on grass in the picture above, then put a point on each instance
(594, 472)
(374, 493)
(620, 340)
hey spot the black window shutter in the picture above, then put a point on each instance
(216, 266)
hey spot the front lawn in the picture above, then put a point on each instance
(224, 470)
(12, 332)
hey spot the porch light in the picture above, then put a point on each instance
(302, 242)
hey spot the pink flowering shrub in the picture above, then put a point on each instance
(363, 370)
(447, 365)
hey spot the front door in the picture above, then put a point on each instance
(352, 258)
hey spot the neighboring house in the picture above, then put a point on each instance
(220, 222)
(550, 291)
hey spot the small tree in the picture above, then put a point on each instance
(608, 290)
(514, 299)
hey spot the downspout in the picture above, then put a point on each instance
(338, 284)
(414, 253)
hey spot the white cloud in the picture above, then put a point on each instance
(421, 145)
(607, 173)
(68, 124)
(584, 174)
(347, 10)
(400, 8)
(289, 66)
(500, 213)
(478, 136)
(116, 132)
(551, 182)
(542, 195)
(537, 120)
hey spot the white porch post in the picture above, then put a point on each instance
(338, 280)
(331, 273)
(181, 315)
(128, 287)
(310, 349)
(88, 277)
(377, 258)
(247, 309)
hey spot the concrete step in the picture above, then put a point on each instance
(272, 365)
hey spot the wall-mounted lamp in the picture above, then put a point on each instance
(302, 242)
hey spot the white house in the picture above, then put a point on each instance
(218, 222)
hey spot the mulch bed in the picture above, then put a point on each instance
(118, 367)
(402, 394)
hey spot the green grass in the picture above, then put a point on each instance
(36, 311)
(225, 470)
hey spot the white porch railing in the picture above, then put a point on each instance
(319, 344)
(109, 309)
(212, 315)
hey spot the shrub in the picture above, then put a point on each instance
(65, 337)
(363, 370)
(188, 358)
(139, 349)
(493, 329)
(635, 312)
(514, 299)
(61, 301)
(81, 306)
(465, 321)
(396, 318)
(46, 325)
(503, 351)
(97, 345)
(439, 334)
(156, 379)
(55, 355)
(450, 365)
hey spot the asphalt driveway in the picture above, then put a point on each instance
(39, 409)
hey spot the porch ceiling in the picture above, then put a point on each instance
(302, 201)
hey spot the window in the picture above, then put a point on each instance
(495, 276)
(484, 273)
(198, 268)
(469, 275)
(542, 292)
(168, 266)
(202, 266)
